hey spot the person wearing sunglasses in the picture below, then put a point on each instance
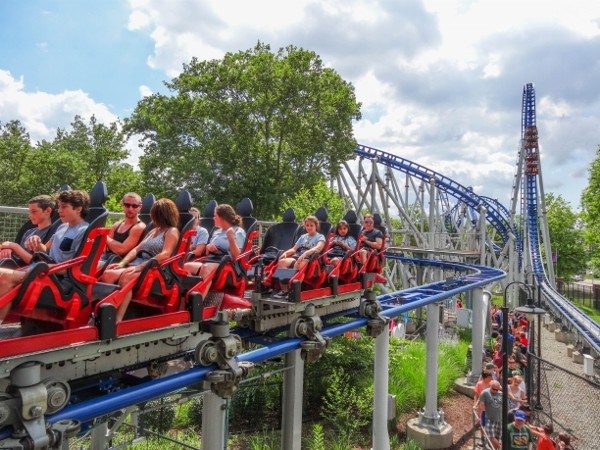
(125, 234)
(491, 400)
(373, 238)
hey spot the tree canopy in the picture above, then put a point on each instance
(255, 123)
(88, 152)
(590, 202)
(566, 236)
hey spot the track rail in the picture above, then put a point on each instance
(495, 215)
(587, 328)
(393, 304)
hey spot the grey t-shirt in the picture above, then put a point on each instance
(493, 404)
(66, 241)
(306, 242)
(34, 232)
(219, 238)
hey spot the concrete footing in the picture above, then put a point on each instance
(570, 349)
(577, 358)
(463, 386)
(429, 438)
(563, 336)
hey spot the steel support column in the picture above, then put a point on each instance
(293, 384)
(381, 438)
(430, 416)
(214, 410)
(99, 436)
(478, 334)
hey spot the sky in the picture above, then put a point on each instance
(440, 81)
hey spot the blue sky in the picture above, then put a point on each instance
(68, 45)
(440, 80)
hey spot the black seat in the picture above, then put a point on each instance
(324, 224)
(245, 208)
(98, 196)
(354, 226)
(207, 220)
(147, 203)
(184, 203)
(378, 223)
(281, 235)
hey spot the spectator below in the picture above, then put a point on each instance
(519, 436)
(491, 400)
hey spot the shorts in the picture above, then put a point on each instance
(493, 429)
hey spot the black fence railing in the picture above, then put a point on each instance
(583, 293)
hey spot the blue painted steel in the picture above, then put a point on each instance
(588, 329)
(393, 305)
(444, 183)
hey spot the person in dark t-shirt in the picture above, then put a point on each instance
(40, 215)
(373, 238)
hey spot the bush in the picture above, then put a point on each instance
(347, 408)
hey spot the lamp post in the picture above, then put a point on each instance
(505, 443)
(531, 311)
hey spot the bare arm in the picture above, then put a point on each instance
(233, 248)
(122, 248)
(17, 250)
(313, 251)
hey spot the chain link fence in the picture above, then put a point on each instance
(11, 219)
(569, 401)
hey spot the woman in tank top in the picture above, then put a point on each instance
(228, 238)
(159, 244)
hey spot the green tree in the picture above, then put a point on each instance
(81, 156)
(566, 236)
(255, 123)
(308, 199)
(590, 202)
(15, 152)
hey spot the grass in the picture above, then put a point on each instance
(407, 371)
(593, 313)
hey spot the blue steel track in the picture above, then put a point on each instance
(393, 304)
(587, 328)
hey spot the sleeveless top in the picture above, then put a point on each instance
(122, 237)
(152, 246)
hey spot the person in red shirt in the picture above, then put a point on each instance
(523, 339)
(544, 435)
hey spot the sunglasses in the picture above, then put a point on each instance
(131, 205)
(494, 389)
(368, 221)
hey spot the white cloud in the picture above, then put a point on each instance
(41, 112)
(440, 81)
(145, 91)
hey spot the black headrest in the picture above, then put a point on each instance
(289, 215)
(321, 214)
(351, 217)
(245, 207)
(98, 194)
(184, 201)
(65, 187)
(209, 211)
(377, 220)
(147, 203)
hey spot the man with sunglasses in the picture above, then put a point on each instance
(126, 233)
(491, 400)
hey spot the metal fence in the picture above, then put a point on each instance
(585, 294)
(567, 400)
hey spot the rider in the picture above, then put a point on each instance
(72, 208)
(40, 214)
(341, 243)
(373, 238)
(310, 243)
(159, 244)
(126, 233)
